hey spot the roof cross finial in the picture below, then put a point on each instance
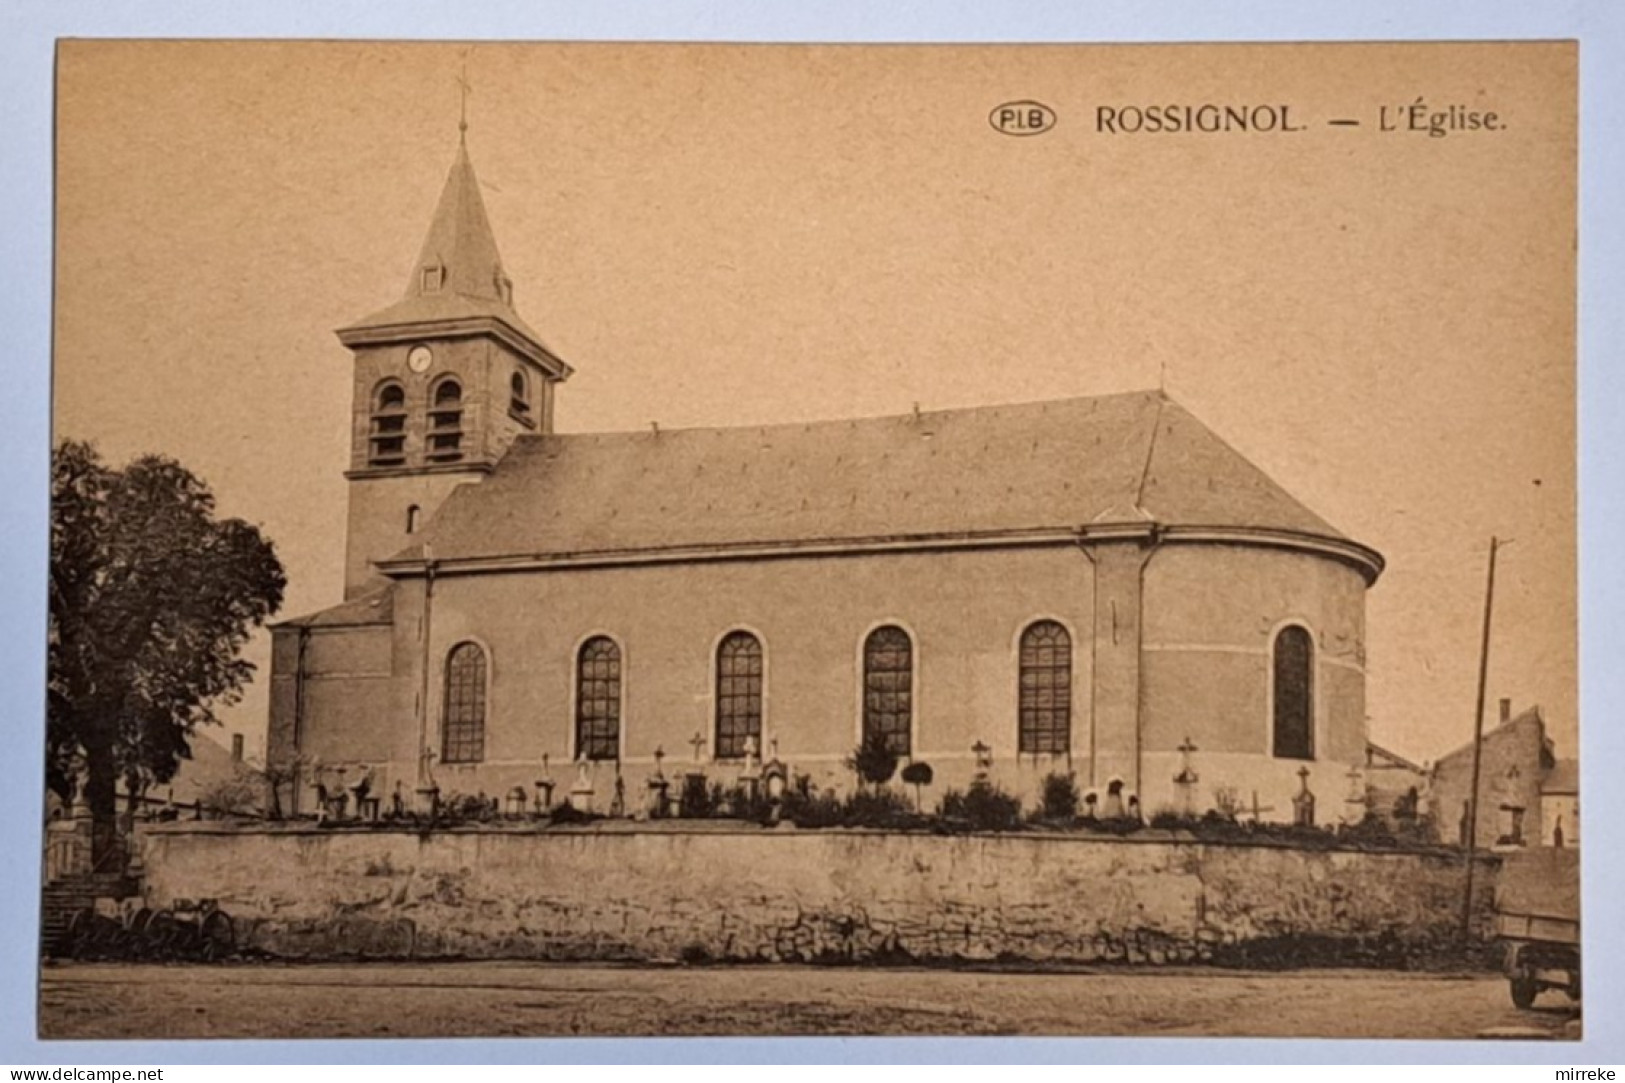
(462, 108)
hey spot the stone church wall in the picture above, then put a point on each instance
(776, 895)
(1212, 613)
(964, 610)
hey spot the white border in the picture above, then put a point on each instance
(31, 27)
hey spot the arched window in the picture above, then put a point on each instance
(739, 694)
(464, 715)
(1045, 701)
(1294, 697)
(888, 687)
(413, 516)
(387, 436)
(598, 700)
(519, 394)
(446, 422)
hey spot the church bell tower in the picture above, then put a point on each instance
(445, 380)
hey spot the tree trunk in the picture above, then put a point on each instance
(101, 786)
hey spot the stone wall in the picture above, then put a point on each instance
(782, 895)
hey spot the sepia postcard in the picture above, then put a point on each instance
(654, 539)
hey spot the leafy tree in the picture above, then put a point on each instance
(151, 601)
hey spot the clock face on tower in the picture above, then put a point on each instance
(419, 359)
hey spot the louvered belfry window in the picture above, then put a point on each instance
(598, 700)
(446, 422)
(386, 442)
(888, 687)
(464, 716)
(1046, 688)
(739, 694)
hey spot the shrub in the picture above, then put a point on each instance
(861, 808)
(566, 813)
(1060, 800)
(238, 795)
(750, 806)
(876, 808)
(1167, 819)
(465, 808)
(873, 760)
(983, 807)
(694, 799)
(805, 807)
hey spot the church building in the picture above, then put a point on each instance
(1100, 586)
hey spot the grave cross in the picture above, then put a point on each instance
(698, 741)
(1186, 774)
(1356, 777)
(1186, 779)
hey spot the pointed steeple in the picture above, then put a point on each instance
(459, 255)
(457, 285)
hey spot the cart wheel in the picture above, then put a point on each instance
(1523, 991)
(161, 934)
(218, 936)
(75, 938)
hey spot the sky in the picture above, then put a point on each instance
(712, 235)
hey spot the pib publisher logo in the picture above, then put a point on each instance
(1022, 118)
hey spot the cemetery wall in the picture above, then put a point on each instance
(742, 894)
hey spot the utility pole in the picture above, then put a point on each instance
(1478, 747)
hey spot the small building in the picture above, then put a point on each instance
(211, 780)
(1515, 766)
(1395, 786)
(1560, 805)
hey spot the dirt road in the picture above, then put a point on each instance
(500, 999)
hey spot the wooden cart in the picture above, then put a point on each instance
(1542, 952)
(1537, 920)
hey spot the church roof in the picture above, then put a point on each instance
(374, 607)
(458, 274)
(1132, 459)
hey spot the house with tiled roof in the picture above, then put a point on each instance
(1526, 795)
(1080, 586)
